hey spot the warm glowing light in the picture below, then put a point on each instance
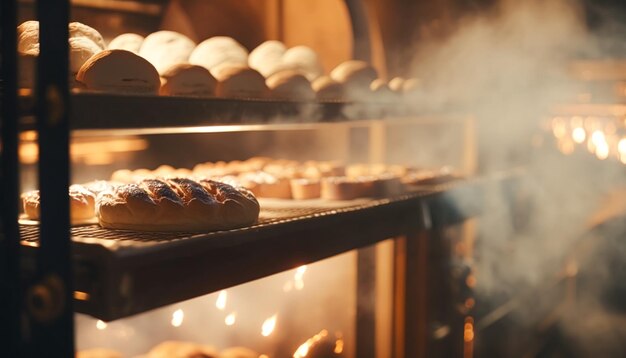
(177, 318)
(559, 128)
(579, 135)
(101, 325)
(288, 286)
(338, 346)
(602, 151)
(577, 121)
(269, 325)
(566, 146)
(230, 319)
(81, 296)
(470, 281)
(469, 303)
(468, 333)
(220, 303)
(299, 277)
(304, 348)
(597, 137)
(621, 146)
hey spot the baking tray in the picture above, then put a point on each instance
(119, 273)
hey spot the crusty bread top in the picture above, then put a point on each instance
(354, 70)
(129, 42)
(290, 84)
(116, 68)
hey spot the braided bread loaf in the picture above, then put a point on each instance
(176, 204)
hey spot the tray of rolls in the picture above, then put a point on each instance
(218, 80)
(171, 234)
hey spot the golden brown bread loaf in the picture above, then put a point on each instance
(119, 71)
(239, 81)
(238, 352)
(356, 77)
(290, 84)
(328, 89)
(82, 204)
(165, 49)
(129, 42)
(176, 204)
(188, 80)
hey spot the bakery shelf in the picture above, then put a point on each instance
(92, 111)
(121, 273)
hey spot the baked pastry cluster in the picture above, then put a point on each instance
(288, 179)
(171, 64)
(173, 204)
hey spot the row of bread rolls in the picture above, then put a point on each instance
(170, 63)
(151, 204)
(288, 179)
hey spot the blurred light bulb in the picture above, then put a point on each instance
(230, 319)
(101, 325)
(177, 318)
(220, 303)
(269, 325)
(579, 135)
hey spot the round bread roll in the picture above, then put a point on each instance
(119, 71)
(381, 91)
(188, 80)
(165, 49)
(290, 84)
(78, 29)
(81, 50)
(217, 51)
(82, 204)
(356, 76)
(98, 353)
(239, 81)
(267, 57)
(129, 42)
(84, 42)
(303, 59)
(176, 204)
(328, 89)
(175, 349)
(238, 352)
(28, 37)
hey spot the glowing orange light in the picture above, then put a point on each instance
(469, 303)
(81, 296)
(338, 346)
(304, 348)
(470, 281)
(269, 325)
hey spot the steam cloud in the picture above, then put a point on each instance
(508, 68)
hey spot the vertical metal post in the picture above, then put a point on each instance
(10, 284)
(366, 303)
(50, 295)
(361, 49)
